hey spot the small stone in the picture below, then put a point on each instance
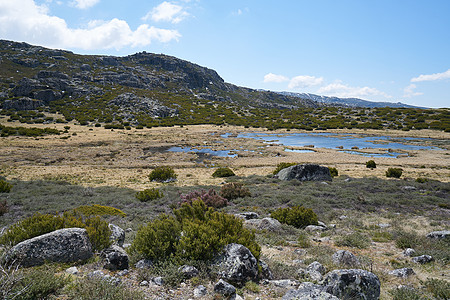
(72, 270)
(300, 251)
(439, 235)
(96, 274)
(409, 252)
(346, 258)
(316, 267)
(188, 271)
(409, 188)
(200, 291)
(144, 264)
(423, 259)
(298, 261)
(224, 288)
(285, 283)
(322, 224)
(403, 273)
(343, 217)
(123, 272)
(314, 228)
(384, 225)
(143, 283)
(158, 281)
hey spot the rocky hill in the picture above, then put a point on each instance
(132, 88)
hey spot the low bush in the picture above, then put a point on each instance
(210, 198)
(234, 190)
(333, 171)
(355, 240)
(223, 172)
(371, 164)
(5, 187)
(405, 293)
(421, 180)
(282, 166)
(297, 216)
(304, 241)
(39, 224)
(162, 174)
(197, 232)
(99, 288)
(440, 289)
(405, 239)
(3, 207)
(394, 172)
(149, 195)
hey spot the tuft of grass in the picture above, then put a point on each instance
(355, 240)
(5, 187)
(440, 289)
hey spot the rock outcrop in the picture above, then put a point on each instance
(307, 172)
(352, 284)
(237, 264)
(115, 258)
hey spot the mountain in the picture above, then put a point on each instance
(349, 102)
(138, 88)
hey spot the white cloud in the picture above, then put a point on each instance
(168, 12)
(409, 91)
(275, 78)
(304, 81)
(432, 77)
(83, 4)
(339, 89)
(24, 20)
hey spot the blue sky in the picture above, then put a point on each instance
(375, 50)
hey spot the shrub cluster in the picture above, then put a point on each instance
(210, 198)
(223, 172)
(282, 166)
(371, 164)
(162, 174)
(297, 216)
(3, 207)
(333, 171)
(234, 190)
(394, 172)
(5, 187)
(196, 232)
(149, 195)
(26, 131)
(39, 224)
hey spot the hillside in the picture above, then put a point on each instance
(146, 89)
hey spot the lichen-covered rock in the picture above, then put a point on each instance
(188, 271)
(439, 235)
(345, 258)
(263, 224)
(409, 252)
(309, 291)
(237, 264)
(200, 291)
(403, 273)
(23, 103)
(315, 228)
(117, 235)
(266, 273)
(305, 172)
(63, 245)
(144, 264)
(423, 259)
(115, 258)
(224, 288)
(248, 215)
(352, 284)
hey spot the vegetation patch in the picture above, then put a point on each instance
(394, 172)
(297, 216)
(5, 187)
(234, 190)
(26, 131)
(223, 172)
(371, 164)
(355, 240)
(162, 174)
(333, 171)
(149, 195)
(210, 198)
(282, 166)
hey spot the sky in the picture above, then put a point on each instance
(380, 50)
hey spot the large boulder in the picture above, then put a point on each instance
(115, 258)
(307, 172)
(237, 264)
(309, 291)
(352, 284)
(63, 245)
(23, 103)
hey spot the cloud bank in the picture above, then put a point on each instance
(304, 81)
(168, 12)
(432, 77)
(24, 20)
(275, 78)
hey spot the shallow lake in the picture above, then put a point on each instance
(220, 153)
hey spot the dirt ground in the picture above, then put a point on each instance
(94, 156)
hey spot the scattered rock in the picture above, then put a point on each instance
(409, 188)
(403, 273)
(285, 283)
(72, 270)
(96, 274)
(159, 281)
(305, 172)
(316, 267)
(247, 215)
(314, 228)
(117, 235)
(237, 264)
(352, 284)
(343, 217)
(309, 291)
(224, 288)
(144, 264)
(345, 258)
(144, 283)
(64, 245)
(264, 224)
(320, 223)
(384, 225)
(115, 258)
(188, 271)
(123, 272)
(200, 291)
(439, 235)
(409, 252)
(423, 259)
(300, 251)
(298, 261)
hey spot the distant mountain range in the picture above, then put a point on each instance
(349, 102)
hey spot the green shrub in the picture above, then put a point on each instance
(405, 239)
(421, 180)
(210, 198)
(333, 171)
(405, 293)
(356, 240)
(440, 289)
(162, 174)
(38, 224)
(149, 195)
(3, 207)
(223, 172)
(197, 232)
(297, 216)
(394, 172)
(5, 187)
(282, 166)
(371, 164)
(99, 288)
(234, 190)
(303, 240)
